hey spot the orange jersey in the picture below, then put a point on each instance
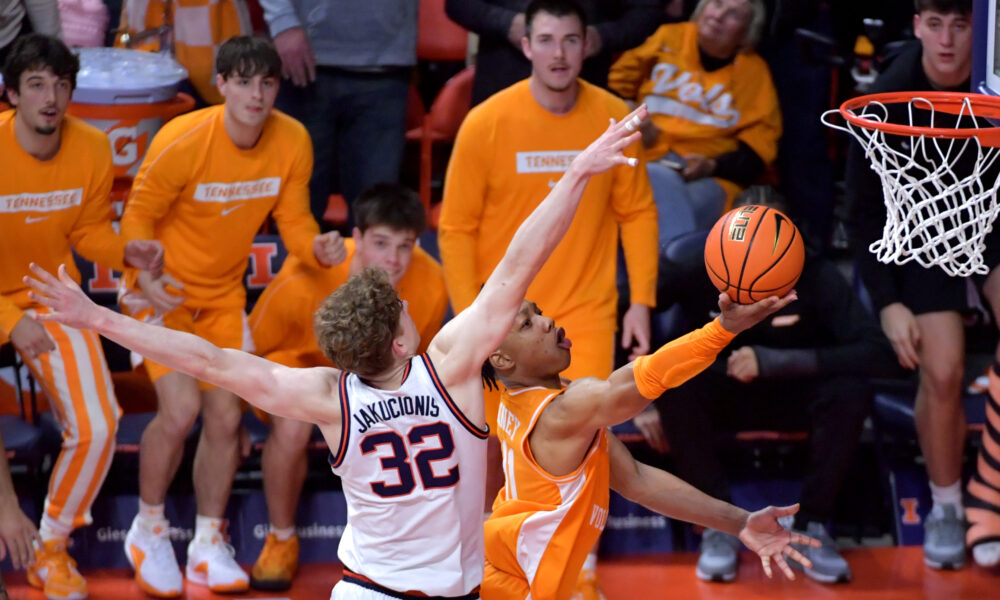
(542, 526)
(205, 199)
(47, 208)
(282, 320)
(698, 111)
(509, 153)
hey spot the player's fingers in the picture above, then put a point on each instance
(45, 301)
(783, 565)
(168, 279)
(765, 561)
(310, 66)
(797, 556)
(42, 275)
(37, 285)
(784, 511)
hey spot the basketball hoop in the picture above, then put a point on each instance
(934, 215)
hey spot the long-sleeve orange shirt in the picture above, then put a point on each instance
(49, 207)
(509, 153)
(698, 111)
(205, 199)
(282, 320)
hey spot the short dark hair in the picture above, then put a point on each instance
(945, 7)
(556, 8)
(356, 324)
(37, 52)
(392, 205)
(246, 56)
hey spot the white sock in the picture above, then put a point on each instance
(53, 530)
(947, 495)
(283, 533)
(986, 554)
(207, 530)
(151, 516)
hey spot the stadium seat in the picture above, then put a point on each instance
(438, 37)
(441, 125)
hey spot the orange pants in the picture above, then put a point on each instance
(76, 379)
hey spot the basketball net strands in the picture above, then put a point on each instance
(939, 173)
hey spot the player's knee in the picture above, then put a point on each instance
(943, 381)
(222, 422)
(176, 424)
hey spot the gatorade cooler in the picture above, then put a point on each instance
(129, 95)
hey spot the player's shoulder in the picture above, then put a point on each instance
(79, 133)
(186, 131)
(504, 103)
(287, 126)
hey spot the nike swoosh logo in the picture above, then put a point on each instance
(34, 219)
(229, 209)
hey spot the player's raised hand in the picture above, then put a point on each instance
(740, 317)
(146, 255)
(772, 542)
(64, 298)
(606, 151)
(329, 249)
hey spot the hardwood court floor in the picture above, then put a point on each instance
(880, 573)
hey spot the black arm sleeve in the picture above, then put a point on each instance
(742, 166)
(480, 17)
(637, 21)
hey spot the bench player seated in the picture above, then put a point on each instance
(389, 218)
(559, 459)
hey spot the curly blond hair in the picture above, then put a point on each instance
(356, 324)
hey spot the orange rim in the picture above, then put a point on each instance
(983, 106)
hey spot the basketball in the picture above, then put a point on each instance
(754, 252)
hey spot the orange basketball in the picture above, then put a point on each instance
(754, 252)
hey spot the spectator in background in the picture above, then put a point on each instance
(805, 367)
(389, 219)
(714, 116)
(349, 65)
(613, 27)
(20, 17)
(209, 181)
(56, 183)
(509, 151)
(194, 31)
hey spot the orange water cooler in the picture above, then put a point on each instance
(129, 95)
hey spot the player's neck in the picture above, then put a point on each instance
(392, 378)
(519, 380)
(39, 145)
(242, 135)
(557, 102)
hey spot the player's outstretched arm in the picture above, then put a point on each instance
(671, 496)
(591, 404)
(303, 394)
(481, 328)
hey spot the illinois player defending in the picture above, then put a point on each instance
(389, 218)
(207, 184)
(408, 430)
(559, 460)
(54, 187)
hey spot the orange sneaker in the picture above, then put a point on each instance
(587, 587)
(54, 572)
(276, 565)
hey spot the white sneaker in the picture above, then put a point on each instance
(152, 557)
(212, 564)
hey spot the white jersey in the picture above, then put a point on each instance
(413, 471)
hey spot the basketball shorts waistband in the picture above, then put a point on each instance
(361, 580)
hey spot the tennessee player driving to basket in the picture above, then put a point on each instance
(408, 431)
(559, 460)
(207, 184)
(54, 188)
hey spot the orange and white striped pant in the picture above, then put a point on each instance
(76, 379)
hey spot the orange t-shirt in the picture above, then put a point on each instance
(47, 208)
(282, 320)
(509, 153)
(205, 199)
(543, 526)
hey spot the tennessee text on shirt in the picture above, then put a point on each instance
(43, 202)
(238, 190)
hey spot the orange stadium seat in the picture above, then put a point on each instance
(441, 125)
(438, 37)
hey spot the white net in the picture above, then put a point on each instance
(940, 193)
